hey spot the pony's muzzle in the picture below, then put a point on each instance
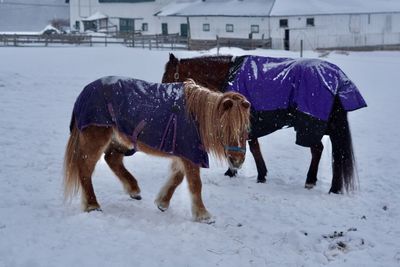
(235, 156)
(235, 163)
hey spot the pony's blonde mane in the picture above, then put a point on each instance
(217, 125)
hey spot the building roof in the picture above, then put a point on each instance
(264, 8)
(96, 16)
(245, 8)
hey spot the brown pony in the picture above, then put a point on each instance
(213, 72)
(222, 121)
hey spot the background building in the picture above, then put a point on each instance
(284, 23)
(123, 16)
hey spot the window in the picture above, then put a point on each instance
(126, 25)
(229, 27)
(254, 29)
(145, 27)
(310, 22)
(206, 27)
(283, 23)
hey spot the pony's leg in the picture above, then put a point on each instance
(92, 143)
(316, 152)
(199, 211)
(166, 192)
(260, 163)
(114, 159)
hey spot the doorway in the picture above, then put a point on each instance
(286, 40)
(164, 28)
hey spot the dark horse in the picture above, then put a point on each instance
(311, 95)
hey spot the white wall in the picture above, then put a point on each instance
(338, 31)
(241, 27)
(174, 23)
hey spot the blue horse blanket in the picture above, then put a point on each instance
(292, 92)
(151, 113)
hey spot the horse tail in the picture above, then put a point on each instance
(343, 160)
(71, 172)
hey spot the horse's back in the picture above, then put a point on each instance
(151, 113)
(308, 85)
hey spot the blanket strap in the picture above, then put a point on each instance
(172, 121)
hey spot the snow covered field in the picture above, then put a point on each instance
(274, 224)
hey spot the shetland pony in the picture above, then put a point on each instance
(220, 121)
(220, 72)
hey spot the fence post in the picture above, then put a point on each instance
(105, 40)
(157, 41)
(301, 48)
(15, 40)
(217, 45)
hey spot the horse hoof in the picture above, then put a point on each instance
(335, 191)
(162, 208)
(309, 186)
(137, 197)
(261, 180)
(230, 173)
(206, 219)
(90, 209)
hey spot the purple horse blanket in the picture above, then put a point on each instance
(151, 113)
(292, 92)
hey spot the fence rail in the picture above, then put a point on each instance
(171, 41)
(243, 43)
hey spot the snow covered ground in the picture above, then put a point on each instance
(274, 224)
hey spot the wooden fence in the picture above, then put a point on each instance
(243, 43)
(171, 41)
(156, 41)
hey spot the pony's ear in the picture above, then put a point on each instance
(246, 104)
(227, 103)
(172, 57)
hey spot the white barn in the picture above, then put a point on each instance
(124, 16)
(317, 23)
(333, 24)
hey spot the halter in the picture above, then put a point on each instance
(235, 149)
(176, 74)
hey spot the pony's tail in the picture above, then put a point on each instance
(343, 160)
(71, 172)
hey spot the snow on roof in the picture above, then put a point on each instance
(316, 7)
(276, 7)
(96, 16)
(50, 27)
(218, 8)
